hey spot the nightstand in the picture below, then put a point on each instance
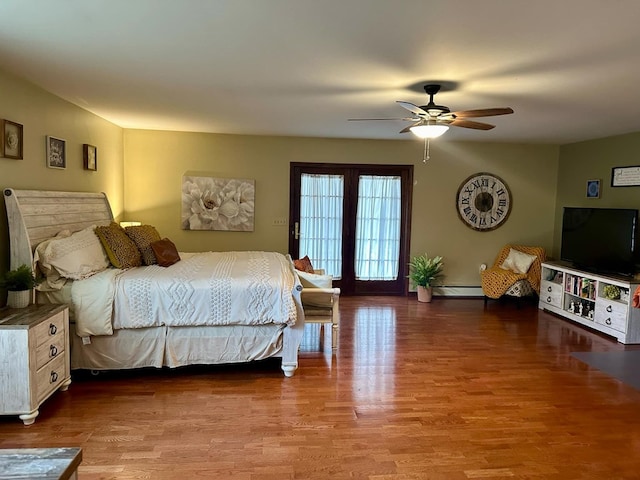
(34, 358)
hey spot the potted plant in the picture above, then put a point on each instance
(423, 273)
(19, 283)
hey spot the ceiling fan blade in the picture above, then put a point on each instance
(409, 127)
(482, 112)
(412, 108)
(458, 122)
(405, 119)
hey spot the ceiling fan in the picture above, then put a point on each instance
(431, 120)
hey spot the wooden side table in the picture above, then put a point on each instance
(34, 358)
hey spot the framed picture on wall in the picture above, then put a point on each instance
(625, 176)
(593, 188)
(11, 140)
(56, 152)
(90, 157)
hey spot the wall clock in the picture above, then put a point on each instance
(483, 201)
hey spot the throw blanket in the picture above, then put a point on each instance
(496, 281)
(211, 288)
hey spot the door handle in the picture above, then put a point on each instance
(296, 230)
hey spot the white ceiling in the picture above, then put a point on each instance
(569, 68)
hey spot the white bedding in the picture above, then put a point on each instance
(211, 288)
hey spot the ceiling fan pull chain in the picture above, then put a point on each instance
(427, 148)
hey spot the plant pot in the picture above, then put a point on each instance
(18, 299)
(424, 294)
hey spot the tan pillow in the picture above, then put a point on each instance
(312, 280)
(517, 261)
(166, 252)
(303, 264)
(121, 250)
(143, 236)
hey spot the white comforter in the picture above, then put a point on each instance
(212, 288)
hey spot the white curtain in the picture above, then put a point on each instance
(378, 228)
(321, 199)
(377, 224)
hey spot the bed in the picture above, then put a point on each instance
(208, 308)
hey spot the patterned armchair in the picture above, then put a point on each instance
(515, 272)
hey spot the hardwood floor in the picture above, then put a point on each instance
(446, 390)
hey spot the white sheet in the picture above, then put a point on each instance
(210, 288)
(92, 300)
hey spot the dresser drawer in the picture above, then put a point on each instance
(50, 350)
(551, 293)
(611, 314)
(49, 328)
(49, 377)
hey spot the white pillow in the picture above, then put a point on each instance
(517, 261)
(76, 256)
(52, 278)
(313, 280)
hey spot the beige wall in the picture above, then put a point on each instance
(141, 172)
(155, 162)
(594, 159)
(43, 114)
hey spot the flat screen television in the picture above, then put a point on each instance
(601, 240)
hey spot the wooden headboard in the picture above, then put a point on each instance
(35, 215)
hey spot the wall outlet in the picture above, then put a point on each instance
(280, 222)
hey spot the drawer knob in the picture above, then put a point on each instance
(54, 377)
(53, 351)
(608, 321)
(549, 289)
(52, 329)
(609, 309)
(549, 299)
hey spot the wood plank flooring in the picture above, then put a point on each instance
(446, 390)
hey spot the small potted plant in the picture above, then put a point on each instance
(19, 283)
(424, 272)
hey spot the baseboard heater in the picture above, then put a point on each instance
(458, 291)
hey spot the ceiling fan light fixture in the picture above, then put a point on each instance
(428, 131)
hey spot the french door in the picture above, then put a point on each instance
(353, 221)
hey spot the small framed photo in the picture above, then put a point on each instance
(11, 140)
(56, 152)
(90, 157)
(593, 188)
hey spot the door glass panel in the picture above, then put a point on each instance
(321, 200)
(378, 227)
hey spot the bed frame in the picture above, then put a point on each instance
(35, 215)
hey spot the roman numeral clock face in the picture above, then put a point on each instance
(483, 201)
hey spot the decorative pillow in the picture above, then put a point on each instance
(166, 252)
(52, 278)
(121, 250)
(313, 280)
(142, 236)
(517, 261)
(303, 264)
(75, 256)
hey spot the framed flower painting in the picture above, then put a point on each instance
(210, 203)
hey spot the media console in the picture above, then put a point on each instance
(601, 302)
